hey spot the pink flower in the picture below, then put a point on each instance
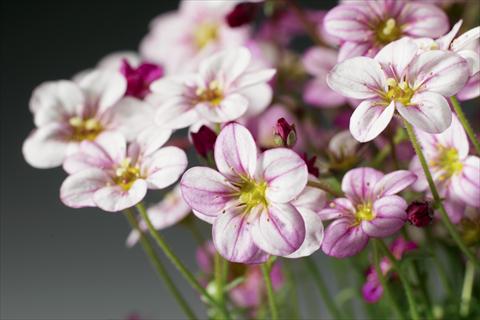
(372, 290)
(318, 62)
(370, 209)
(399, 79)
(253, 201)
(67, 113)
(168, 212)
(365, 27)
(108, 174)
(223, 90)
(455, 173)
(139, 78)
(180, 39)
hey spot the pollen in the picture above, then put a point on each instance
(212, 94)
(364, 212)
(126, 174)
(388, 31)
(400, 92)
(205, 33)
(85, 129)
(448, 162)
(253, 194)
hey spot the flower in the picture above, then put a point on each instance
(455, 173)
(67, 113)
(318, 62)
(204, 141)
(285, 133)
(372, 290)
(399, 79)
(139, 78)
(179, 40)
(365, 27)
(108, 174)
(242, 14)
(419, 213)
(168, 212)
(223, 90)
(370, 209)
(251, 200)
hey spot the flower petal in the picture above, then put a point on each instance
(175, 113)
(466, 186)
(350, 50)
(284, 172)
(279, 230)
(313, 234)
(466, 40)
(206, 190)
(311, 198)
(163, 167)
(359, 184)
(394, 182)
(390, 216)
(423, 20)
(396, 56)
(78, 189)
(235, 152)
(369, 120)
(429, 111)
(230, 63)
(357, 78)
(342, 240)
(348, 22)
(340, 207)
(471, 89)
(114, 198)
(231, 108)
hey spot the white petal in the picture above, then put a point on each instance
(163, 167)
(114, 198)
(77, 190)
(369, 120)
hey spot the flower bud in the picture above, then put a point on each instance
(285, 134)
(204, 141)
(140, 78)
(419, 213)
(243, 13)
(312, 168)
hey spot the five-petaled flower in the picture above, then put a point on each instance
(255, 202)
(371, 208)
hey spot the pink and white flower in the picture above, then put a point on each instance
(67, 113)
(364, 27)
(168, 212)
(456, 173)
(223, 90)
(400, 79)
(370, 208)
(109, 174)
(179, 40)
(251, 199)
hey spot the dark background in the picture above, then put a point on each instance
(57, 262)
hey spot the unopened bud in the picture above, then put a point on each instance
(242, 14)
(285, 134)
(312, 168)
(419, 213)
(204, 141)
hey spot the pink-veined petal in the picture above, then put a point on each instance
(163, 167)
(359, 184)
(343, 240)
(231, 108)
(466, 40)
(471, 89)
(390, 216)
(466, 185)
(259, 98)
(176, 113)
(350, 50)
(313, 234)
(454, 137)
(114, 198)
(423, 20)
(311, 198)
(77, 190)
(230, 63)
(396, 56)
(394, 182)
(349, 22)
(369, 120)
(445, 41)
(340, 207)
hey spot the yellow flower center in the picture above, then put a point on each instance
(213, 93)
(126, 174)
(400, 92)
(205, 33)
(364, 212)
(447, 161)
(388, 31)
(252, 194)
(85, 129)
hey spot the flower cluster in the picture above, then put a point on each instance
(361, 132)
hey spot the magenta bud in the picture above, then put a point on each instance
(312, 168)
(420, 213)
(242, 14)
(140, 78)
(285, 134)
(204, 141)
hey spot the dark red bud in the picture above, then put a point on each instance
(140, 78)
(285, 134)
(420, 213)
(204, 141)
(242, 14)
(312, 169)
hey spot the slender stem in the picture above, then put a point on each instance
(322, 287)
(161, 270)
(271, 297)
(394, 153)
(383, 281)
(405, 283)
(325, 187)
(176, 261)
(219, 279)
(467, 289)
(445, 218)
(466, 125)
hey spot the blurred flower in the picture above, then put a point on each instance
(419, 213)
(285, 134)
(370, 209)
(311, 165)
(250, 199)
(455, 173)
(243, 13)
(364, 27)
(223, 90)
(139, 78)
(204, 141)
(399, 79)
(113, 176)
(342, 150)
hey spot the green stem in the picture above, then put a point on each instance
(466, 125)
(325, 187)
(271, 297)
(394, 153)
(383, 281)
(322, 287)
(219, 279)
(467, 289)
(177, 263)
(161, 270)
(436, 197)
(403, 278)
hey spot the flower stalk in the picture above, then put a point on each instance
(467, 289)
(466, 125)
(270, 294)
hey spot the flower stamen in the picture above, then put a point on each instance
(85, 129)
(213, 93)
(205, 33)
(126, 174)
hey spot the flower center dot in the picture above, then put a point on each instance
(364, 212)
(400, 92)
(213, 93)
(205, 33)
(448, 161)
(126, 174)
(85, 129)
(388, 31)
(252, 194)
